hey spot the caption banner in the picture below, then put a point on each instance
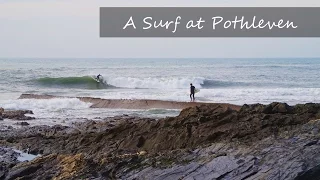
(209, 22)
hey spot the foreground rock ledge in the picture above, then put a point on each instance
(273, 141)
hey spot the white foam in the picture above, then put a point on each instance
(25, 156)
(236, 96)
(154, 83)
(64, 111)
(56, 104)
(45, 109)
(249, 96)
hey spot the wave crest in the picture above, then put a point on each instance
(88, 82)
(85, 82)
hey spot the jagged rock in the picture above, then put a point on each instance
(53, 167)
(17, 115)
(8, 158)
(141, 141)
(22, 123)
(274, 141)
(281, 108)
(187, 130)
(1, 111)
(22, 172)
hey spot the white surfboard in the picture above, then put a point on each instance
(195, 91)
(97, 80)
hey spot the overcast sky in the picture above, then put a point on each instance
(70, 28)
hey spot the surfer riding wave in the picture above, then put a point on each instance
(98, 77)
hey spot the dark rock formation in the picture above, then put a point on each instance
(23, 123)
(8, 159)
(17, 115)
(1, 111)
(274, 141)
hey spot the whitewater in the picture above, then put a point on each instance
(236, 81)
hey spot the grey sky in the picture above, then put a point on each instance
(70, 28)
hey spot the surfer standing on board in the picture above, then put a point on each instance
(192, 91)
(98, 76)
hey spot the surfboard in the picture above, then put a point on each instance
(97, 80)
(195, 91)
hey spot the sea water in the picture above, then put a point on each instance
(236, 81)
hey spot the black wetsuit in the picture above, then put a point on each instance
(192, 89)
(98, 76)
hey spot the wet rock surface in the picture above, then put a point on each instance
(8, 159)
(23, 123)
(16, 114)
(274, 141)
(1, 111)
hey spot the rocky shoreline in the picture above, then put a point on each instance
(209, 141)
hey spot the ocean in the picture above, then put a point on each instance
(236, 81)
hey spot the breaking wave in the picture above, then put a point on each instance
(169, 83)
(51, 105)
(87, 82)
